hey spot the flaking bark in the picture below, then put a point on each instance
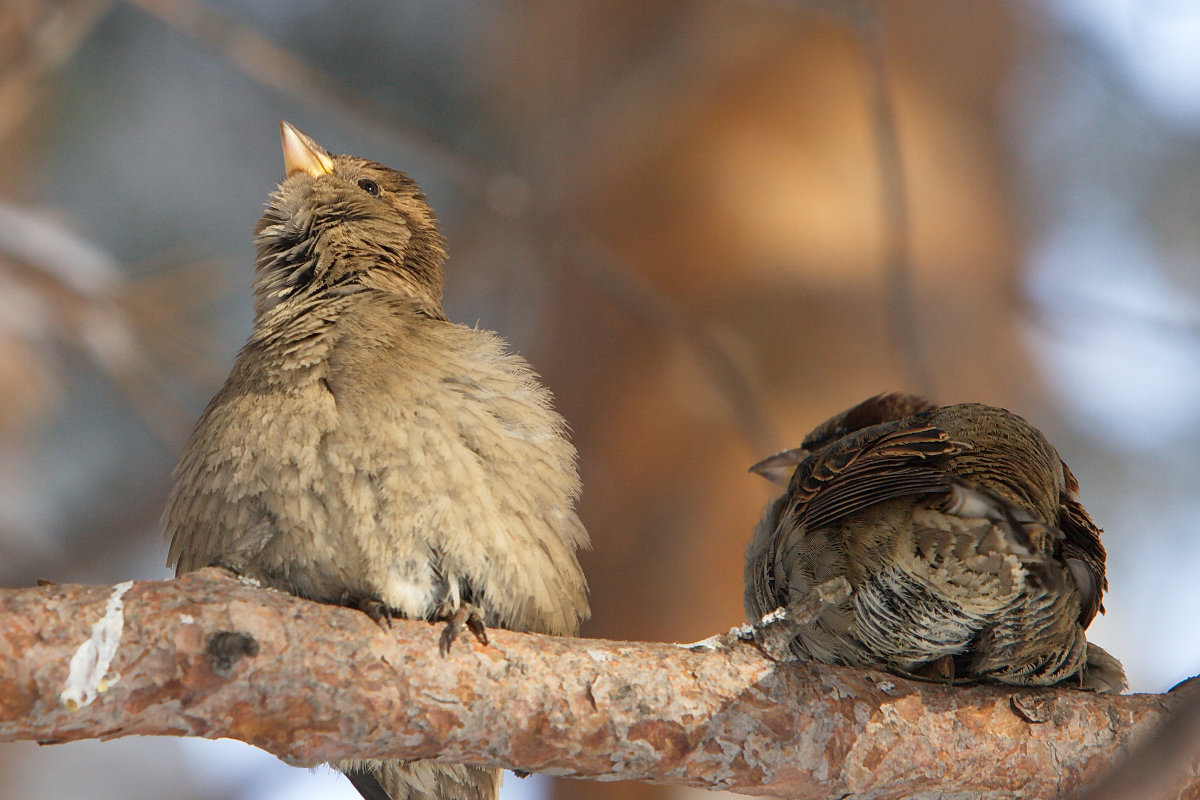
(206, 656)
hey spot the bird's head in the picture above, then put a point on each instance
(339, 224)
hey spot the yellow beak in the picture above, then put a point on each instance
(302, 154)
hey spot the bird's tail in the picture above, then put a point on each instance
(420, 780)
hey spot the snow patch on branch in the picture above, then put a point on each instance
(89, 675)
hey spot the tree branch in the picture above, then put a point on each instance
(206, 656)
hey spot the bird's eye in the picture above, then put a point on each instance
(369, 186)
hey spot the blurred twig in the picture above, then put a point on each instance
(671, 320)
(865, 19)
(82, 300)
(605, 125)
(893, 197)
(55, 40)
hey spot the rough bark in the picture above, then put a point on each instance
(207, 656)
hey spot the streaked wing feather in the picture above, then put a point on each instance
(844, 497)
(879, 463)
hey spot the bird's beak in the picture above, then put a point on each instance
(778, 468)
(302, 154)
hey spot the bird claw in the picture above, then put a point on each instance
(373, 607)
(1034, 709)
(235, 571)
(225, 562)
(774, 633)
(722, 641)
(465, 616)
(378, 612)
(940, 670)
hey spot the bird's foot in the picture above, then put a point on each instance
(774, 633)
(226, 563)
(373, 607)
(722, 641)
(236, 571)
(945, 671)
(1033, 708)
(938, 671)
(464, 616)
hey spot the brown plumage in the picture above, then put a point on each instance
(960, 533)
(367, 451)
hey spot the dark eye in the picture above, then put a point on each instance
(369, 186)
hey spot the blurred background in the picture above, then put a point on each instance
(709, 224)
